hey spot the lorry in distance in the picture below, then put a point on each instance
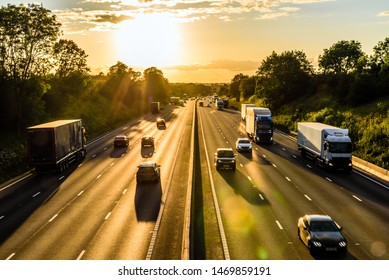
(243, 110)
(53, 146)
(175, 100)
(259, 124)
(155, 107)
(225, 102)
(328, 146)
(219, 104)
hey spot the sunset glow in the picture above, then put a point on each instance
(148, 40)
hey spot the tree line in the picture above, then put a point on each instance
(43, 77)
(351, 76)
(348, 88)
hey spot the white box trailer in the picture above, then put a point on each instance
(243, 109)
(327, 145)
(259, 124)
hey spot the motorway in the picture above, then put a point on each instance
(96, 211)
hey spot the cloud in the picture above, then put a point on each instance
(111, 18)
(305, 1)
(107, 13)
(384, 14)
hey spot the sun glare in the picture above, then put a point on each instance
(148, 40)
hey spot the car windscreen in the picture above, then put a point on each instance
(323, 226)
(225, 154)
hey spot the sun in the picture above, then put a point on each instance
(148, 40)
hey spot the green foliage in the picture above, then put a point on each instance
(342, 57)
(69, 58)
(283, 78)
(156, 86)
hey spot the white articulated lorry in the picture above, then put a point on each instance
(329, 146)
(259, 124)
(243, 110)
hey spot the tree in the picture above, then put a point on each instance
(381, 54)
(342, 57)
(70, 58)
(235, 85)
(283, 78)
(156, 86)
(119, 69)
(247, 87)
(27, 36)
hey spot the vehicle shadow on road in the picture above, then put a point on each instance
(148, 201)
(334, 256)
(147, 152)
(118, 152)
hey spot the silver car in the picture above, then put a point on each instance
(243, 145)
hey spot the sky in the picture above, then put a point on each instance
(205, 41)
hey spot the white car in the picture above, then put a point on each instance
(243, 145)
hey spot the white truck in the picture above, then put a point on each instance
(243, 109)
(328, 146)
(259, 124)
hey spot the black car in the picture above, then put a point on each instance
(321, 234)
(161, 123)
(148, 171)
(225, 159)
(147, 141)
(121, 141)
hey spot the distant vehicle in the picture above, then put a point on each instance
(181, 102)
(225, 102)
(219, 104)
(225, 159)
(201, 103)
(215, 97)
(121, 141)
(148, 171)
(174, 100)
(243, 145)
(209, 104)
(147, 141)
(53, 146)
(161, 123)
(243, 110)
(259, 124)
(155, 107)
(321, 234)
(328, 146)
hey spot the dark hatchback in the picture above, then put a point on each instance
(147, 141)
(121, 141)
(161, 123)
(148, 171)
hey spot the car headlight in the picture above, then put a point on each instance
(342, 244)
(316, 243)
